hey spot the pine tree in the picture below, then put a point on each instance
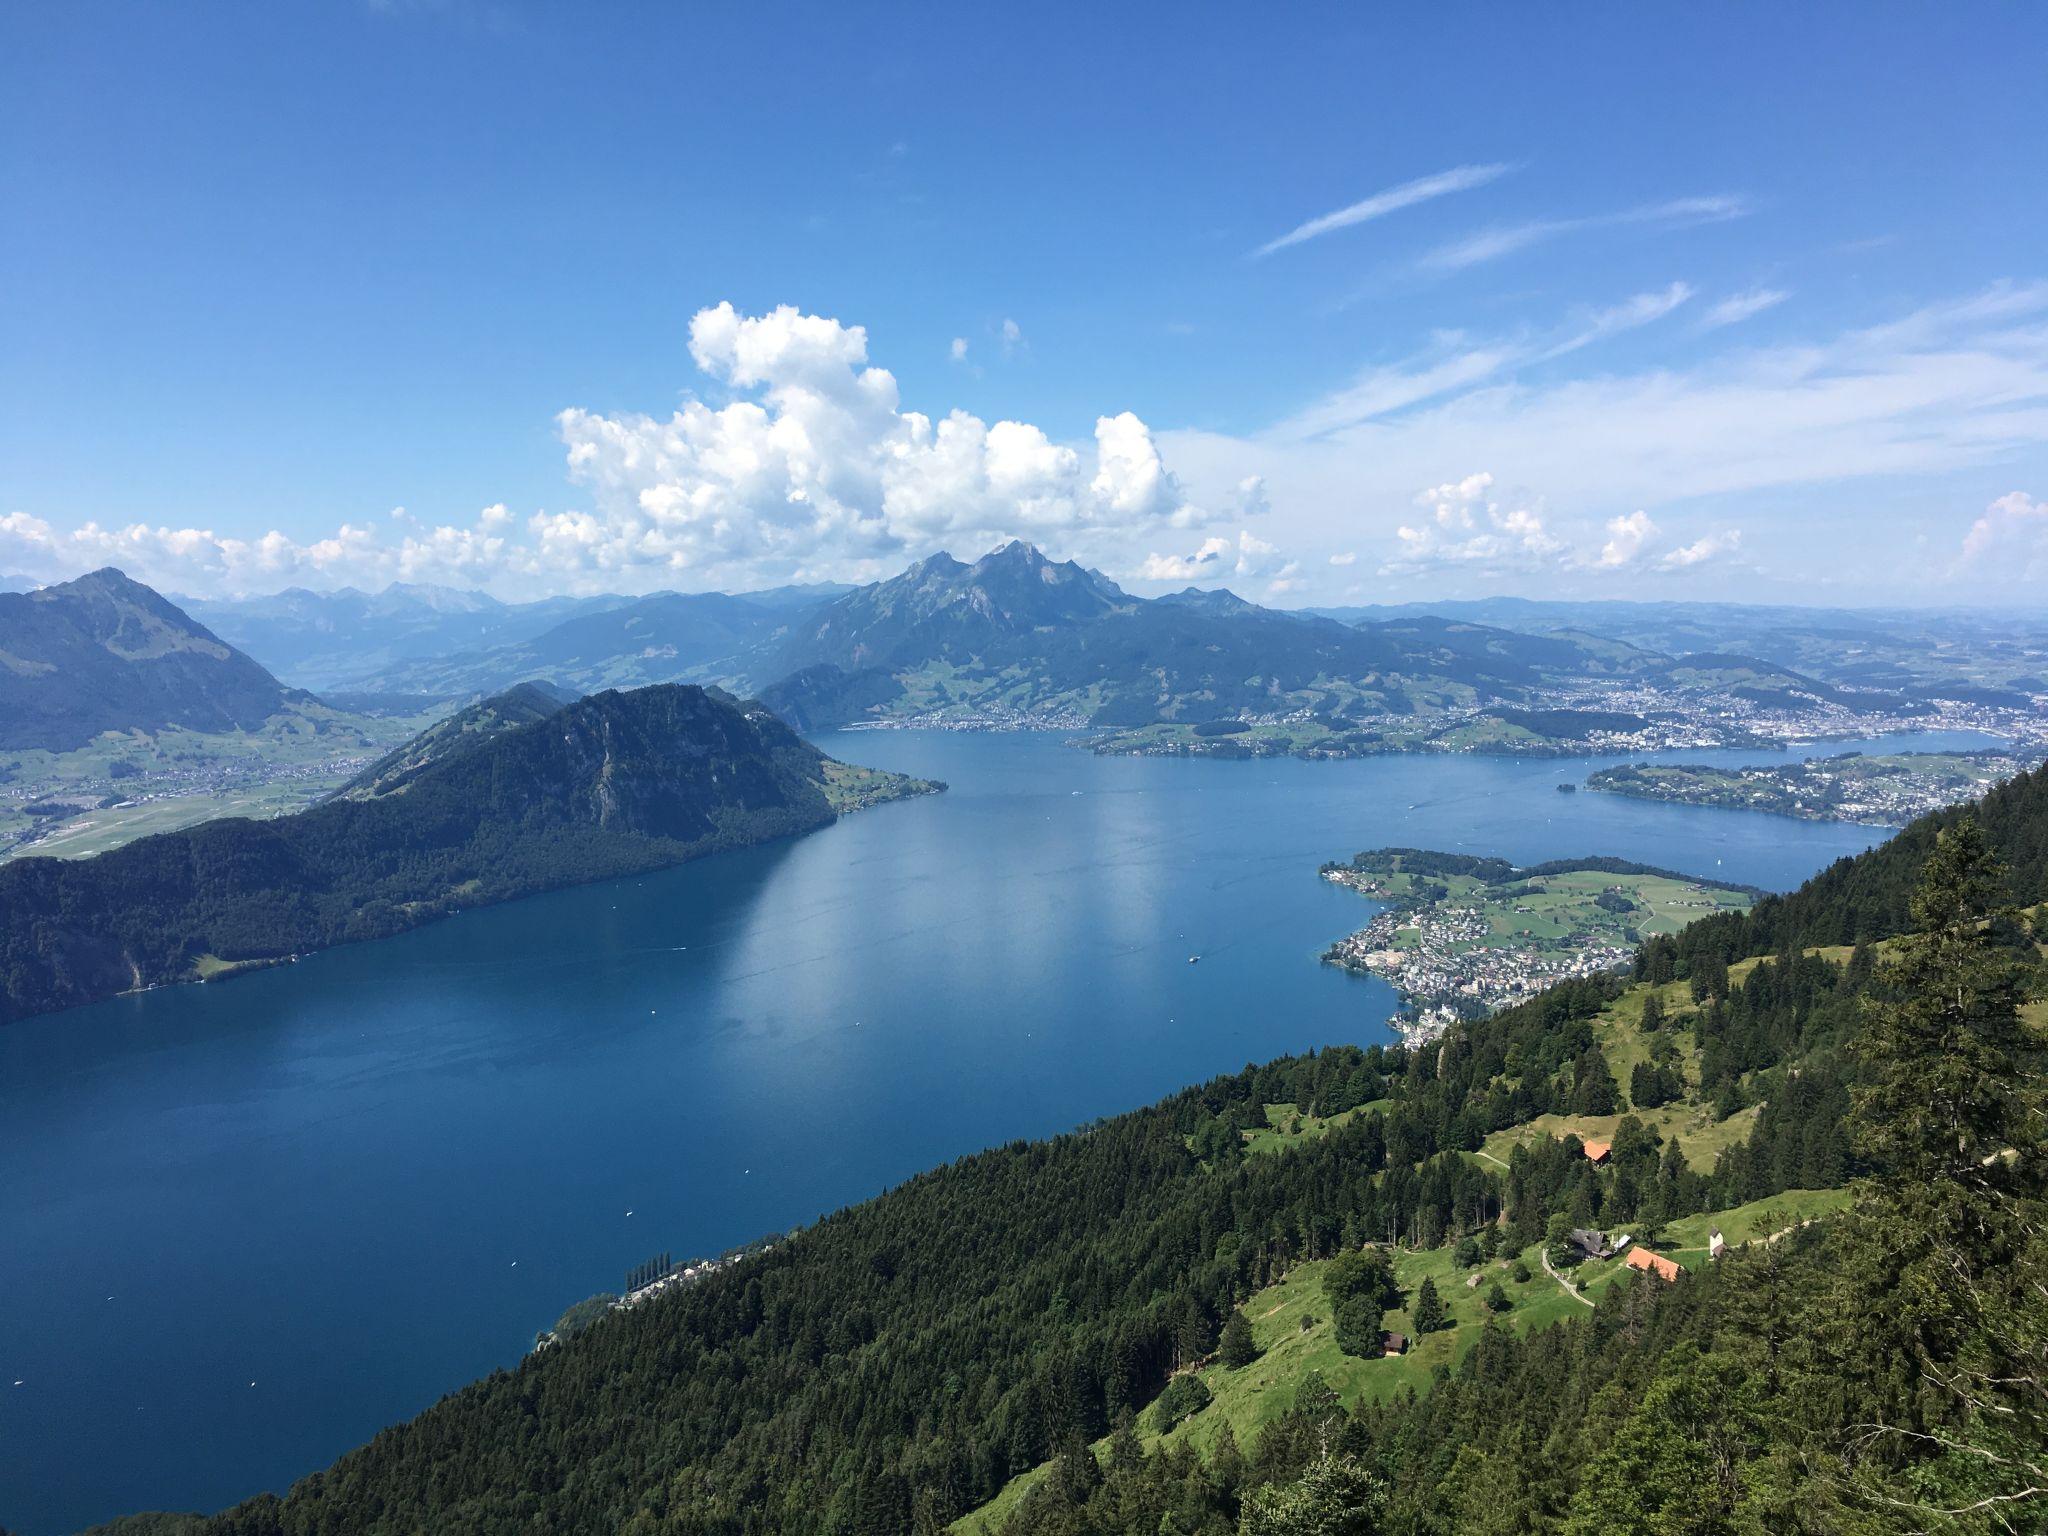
(1238, 1349)
(1946, 1049)
(1429, 1308)
(1335, 1498)
(1949, 1254)
(1226, 1461)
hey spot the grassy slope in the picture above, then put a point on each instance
(1248, 1399)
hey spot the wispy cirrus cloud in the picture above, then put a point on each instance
(1631, 314)
(1423, 189)
(1948, 388)
(1738, 307)
(1457, 366)
(1504, 240)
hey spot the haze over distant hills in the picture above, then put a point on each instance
(333, 640)
(443, 641)
(1017, 638)
(1903, 648)
(105, 653)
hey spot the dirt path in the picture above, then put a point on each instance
(1569, 1289)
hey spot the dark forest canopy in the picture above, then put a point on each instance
(615, 784)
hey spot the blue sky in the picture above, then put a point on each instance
(1745, 302)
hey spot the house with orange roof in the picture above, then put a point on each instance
(1655, 1263)
(1597, 1152)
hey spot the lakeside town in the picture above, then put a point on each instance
(72, 814)
(1586, 720)
(1885, 790)
(646, 1282)
(1461, 937)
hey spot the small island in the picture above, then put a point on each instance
(1462, 936)
(1886, 790)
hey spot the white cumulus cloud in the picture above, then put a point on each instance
(811, 467)
(1626, 539)
(2008, 543)
(1707, 547)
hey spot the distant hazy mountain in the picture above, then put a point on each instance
(1911, 650)
(340, 641)
(610, 785)
(804, 595)
(1019, 636)
(18, 583)
(105, 653)
(668, 637)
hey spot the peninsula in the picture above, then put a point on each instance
(1461, 937)
(1886, 790)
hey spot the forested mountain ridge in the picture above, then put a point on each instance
(613, 784)
(894, 1366)
(1015, 635)
(462, 731)
(103, 653)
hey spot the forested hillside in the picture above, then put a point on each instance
(894, 1367)
(610, 785)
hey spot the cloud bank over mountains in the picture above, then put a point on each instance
(805, 463)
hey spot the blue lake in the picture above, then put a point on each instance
(244, 1226)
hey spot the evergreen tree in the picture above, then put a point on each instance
(1946, 1050)
(1429, 1308)
(1653, 1013)
(1238, 1349)
(1950, 1252)
(1335, 1498)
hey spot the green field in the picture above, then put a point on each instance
(126, 785)
(1543, 910)
(850, 787)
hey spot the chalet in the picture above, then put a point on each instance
(1597, 1152)
(1716, 1244)
(1591, 1244)
(1393, 1344)
(1654, 1263)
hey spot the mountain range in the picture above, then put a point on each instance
(1910, 650)
(422, 639)
(1016, 638)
